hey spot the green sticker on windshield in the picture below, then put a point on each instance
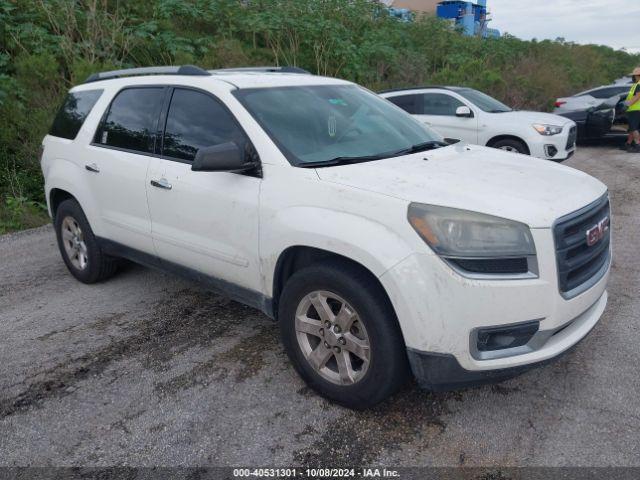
(337, 101)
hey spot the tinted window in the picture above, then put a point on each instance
(440, 104)
(197, 120)
(604, 93)
(409, 103)
(73, 113)
(132, 120)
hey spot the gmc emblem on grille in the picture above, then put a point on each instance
(596, 233)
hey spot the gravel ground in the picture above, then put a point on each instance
(147, 369)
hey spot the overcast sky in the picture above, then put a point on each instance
(608, 22)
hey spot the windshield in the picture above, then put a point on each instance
(483, 101)
(316, 124)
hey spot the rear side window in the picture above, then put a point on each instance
(132, 120)
(196, 120)
(73, 113)
(409, 103)
(604, 93)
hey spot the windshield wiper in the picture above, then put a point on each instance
(342, 161)
(431, 145)
(420, 147)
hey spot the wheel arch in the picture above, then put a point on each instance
(499, 138)
(56, 197)
(295, 258)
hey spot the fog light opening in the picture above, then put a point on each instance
(502, 338)
(550, 150)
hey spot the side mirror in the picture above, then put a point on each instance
(464, 112)
(226, 157)
(451, 141)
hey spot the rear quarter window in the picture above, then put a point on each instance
(73, 113)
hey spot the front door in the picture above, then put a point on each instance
(205, 221)
(439, 112)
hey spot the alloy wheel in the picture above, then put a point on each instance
(509, 148)
(333, 338)
(74, 244)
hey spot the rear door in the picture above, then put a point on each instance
(205, 221)
(116, 168)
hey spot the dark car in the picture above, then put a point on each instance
(595, 122)
(621, 122)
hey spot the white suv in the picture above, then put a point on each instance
(475, 117)
(379, 249)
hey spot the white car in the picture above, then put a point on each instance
(474, 117)
(590, 98)
(379, 249)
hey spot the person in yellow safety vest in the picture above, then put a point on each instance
(633, 114)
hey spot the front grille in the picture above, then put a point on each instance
(573, 135)
(579, 263)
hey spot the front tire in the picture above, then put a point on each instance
(342, 335)
(511, 145)
(78, 246)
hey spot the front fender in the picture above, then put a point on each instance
(374, 245)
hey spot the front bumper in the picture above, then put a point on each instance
(439, 309)
(440, 372)
(556, 147)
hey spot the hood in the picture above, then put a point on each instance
(518, 116)
(532, 191)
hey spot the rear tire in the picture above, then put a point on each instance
(78, 245)
(326, 359)
(511, 145)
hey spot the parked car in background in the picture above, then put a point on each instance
(378, 248)
(590, 98)
(475, 117)
(598, 113)
(594, 122)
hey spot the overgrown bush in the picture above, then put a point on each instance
(46, 46)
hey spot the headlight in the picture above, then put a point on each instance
(547, 130)
(456, 233)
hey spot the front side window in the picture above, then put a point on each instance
(132, 120)
(441, 104)
(325, 123)
(483, 101)
(73, 113)
(196, 120)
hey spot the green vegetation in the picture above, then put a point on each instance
(46, 46)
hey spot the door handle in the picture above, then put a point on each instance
(162, 183)
(92, 167)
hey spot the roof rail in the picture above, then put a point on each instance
(263, 70)
(128, 72)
